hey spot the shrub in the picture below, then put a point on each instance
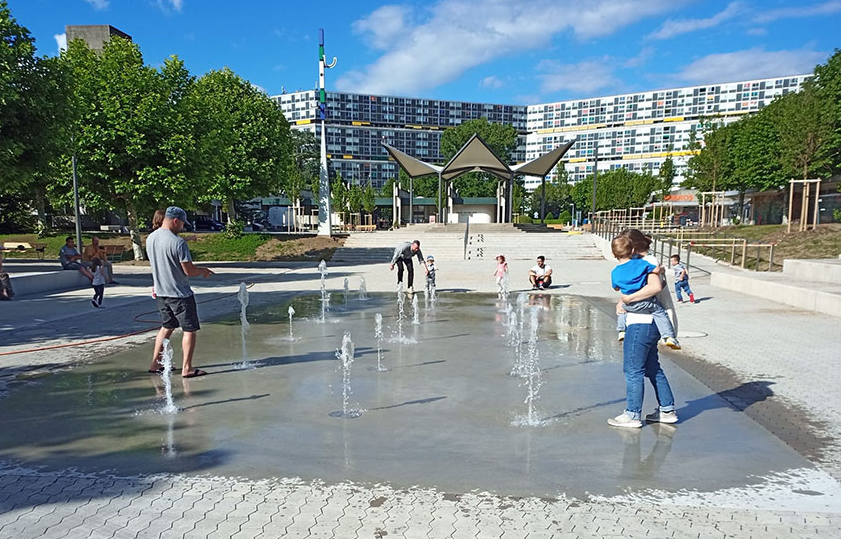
(233, 230)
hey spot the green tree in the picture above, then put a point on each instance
(501, 138)
(34, 115)
(355, 198)
(136, 138)
(804, 126)
(306, 154)
(369, 199)
(827, 85)
(666, 177)
(706, 169)
(251, 138)
(753, 142)
(616, 189)
(339, 195)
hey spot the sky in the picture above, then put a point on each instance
(496, 51)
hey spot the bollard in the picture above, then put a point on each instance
(771, 259)
(744, 252)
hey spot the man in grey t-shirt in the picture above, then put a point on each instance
(172, 266)
(70, 259)
(403, 254)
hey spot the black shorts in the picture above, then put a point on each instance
(179, 312)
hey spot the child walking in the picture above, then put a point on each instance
(630, 276)
(98, 282)
(430, 275)
(681, 279)
(501, 274)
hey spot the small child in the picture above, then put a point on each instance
(98, 282)
(501, 273)
(430, 274)
(681, 279)
(631, 275)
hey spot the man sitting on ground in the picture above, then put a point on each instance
(95, 250)
(540, 275)
(70, 258)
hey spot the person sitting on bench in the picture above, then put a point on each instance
(71, 259)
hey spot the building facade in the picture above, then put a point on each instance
(637, 131)
(357, 124)
(95, 35)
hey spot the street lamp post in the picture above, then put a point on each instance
(76, 197)
(595, 182)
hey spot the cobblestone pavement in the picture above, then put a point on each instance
(78, 506)
(741, 342)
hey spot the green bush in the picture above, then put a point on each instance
(565, 217)
(233, 230)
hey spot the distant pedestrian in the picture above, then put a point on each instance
(98, 282)
(158, 219)
(6, 292)
(172, 266)
(403, 254)
(95, 250)
(501, 273)
(681, 279)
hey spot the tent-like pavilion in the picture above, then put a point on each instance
(477, 156)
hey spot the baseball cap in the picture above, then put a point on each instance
(174, 212)
(430, 257)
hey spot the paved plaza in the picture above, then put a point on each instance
(437, 451)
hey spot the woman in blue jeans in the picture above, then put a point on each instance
(640, 361)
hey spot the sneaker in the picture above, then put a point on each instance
(541, 287)
(662, 417)
(680, 301)
(94, 303)
(691, 298)
(410, 290)
(621, 336)
(672, 343)
(622, 420)
(534, 287)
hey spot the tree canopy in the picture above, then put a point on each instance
(501, 138)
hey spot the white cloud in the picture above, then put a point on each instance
(757, 31)
(493, 82)
(61, 42)
(585, 77)
(385, 25)
(167, 5)
(457, 35)
(672, 28)
(98, 4)
(753, 63)
(645, 54)
(826, 8)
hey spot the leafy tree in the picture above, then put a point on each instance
(804, 126)
(706, 169)
(135, 137)
(34, 115)
(369, 199)
(306, 154)
(501, 138)
(617, 189)
(754, 142)
(387, 190)
(250, 136)
(339, 194)
(355, 198)
(827, 85)
(666, 177)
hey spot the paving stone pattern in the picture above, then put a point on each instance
(34, 505)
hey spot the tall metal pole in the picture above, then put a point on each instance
(440, 207)
(76, 198)
(411, 201)
(325, 227)
(595, 181)
(542, 199)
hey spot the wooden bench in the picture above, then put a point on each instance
(114, 253)
(22, 246)
(366, 228)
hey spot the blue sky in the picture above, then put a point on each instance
(503, 51)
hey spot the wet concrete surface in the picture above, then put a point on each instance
(443, 414)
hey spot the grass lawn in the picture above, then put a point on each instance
(55, 242)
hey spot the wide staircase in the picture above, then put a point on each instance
(482, 242)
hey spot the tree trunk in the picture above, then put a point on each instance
(742, 207)
(134, 231)
(41, 204)
(232, 213)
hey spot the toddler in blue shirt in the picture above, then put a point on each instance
(631, 275)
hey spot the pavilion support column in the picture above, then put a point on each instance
(510, 212)
(440, 207)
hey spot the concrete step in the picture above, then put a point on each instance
(41, 283)
(817, 296)
(824, 270)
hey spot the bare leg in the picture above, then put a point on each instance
(163, 333)
(86, 272)
(188, 344)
